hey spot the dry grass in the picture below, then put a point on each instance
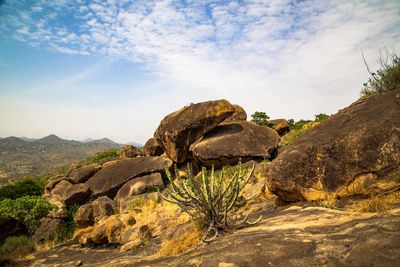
(80, 232)
(158, 215)
(377, 203)
(329, 201)
(189, 238)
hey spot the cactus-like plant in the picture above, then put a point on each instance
(210, 197)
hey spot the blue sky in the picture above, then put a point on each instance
(83, 69)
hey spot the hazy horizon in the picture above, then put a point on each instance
(80, 69)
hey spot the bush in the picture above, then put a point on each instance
(321, 117)
(28, 210)
(261, 118)
(16, 247)
(386, 78)
(68, 228)
(24, 187)
(210, 197)
(102, 155)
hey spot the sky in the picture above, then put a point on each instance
(91, 69)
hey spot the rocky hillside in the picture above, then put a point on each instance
(19, 157)
(351, 163)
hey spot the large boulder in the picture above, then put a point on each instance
(280, 125)
(355, 152)
(91, 213)
(147, 183)
(66, 194)
(152, 148)
(228, 143)
(110, 179)
(178, 130)
(82, 174)
(129, 151)
(239, 115)
(48, 230)
(52, 182)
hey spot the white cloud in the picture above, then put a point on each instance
(289, 59)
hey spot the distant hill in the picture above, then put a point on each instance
(24, 156)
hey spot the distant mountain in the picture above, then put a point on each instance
(21, 157)
(135, 144)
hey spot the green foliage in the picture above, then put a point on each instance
(298, 124)
(24, 187)
(102, 155)
(386, 78)
(261, 118)
(210, 197)
(16, 247)
(69, 226)
(27, 209)
(321, 117)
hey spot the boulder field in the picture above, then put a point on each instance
(353, 154)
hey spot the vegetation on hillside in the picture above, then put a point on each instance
(386, 78)
(24, 187)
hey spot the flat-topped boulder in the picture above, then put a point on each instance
(139, 185)
(82, 174)
(178, 130)
(67, 194)
(110, 179)
(239, 115)
(227, 143)
(354, 153)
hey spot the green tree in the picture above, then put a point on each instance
(261, 118)
(321, 117)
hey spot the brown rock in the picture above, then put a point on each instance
(239, 115)
(132, 245)
(110, 179)
(99, 235)
(355, 152)
(52, 182)
(152, 148)
(127, 219)
(228, 143)
(178, 130)
(91, 213)
(114, 228)
(128, 203)
(280, 125)
(82, 174)
(69, 194)
(147, 183)
(47, 230)
(129, 151)
(138, 232)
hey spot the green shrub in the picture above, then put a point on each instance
(68, 228)
(261, 118)
(386, 78)
(16, 247)
(321, 117)
(28, 210)
(102, 155)
(210, 197)
(24, 187)
(298, 124)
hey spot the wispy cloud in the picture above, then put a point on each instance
(289, 57)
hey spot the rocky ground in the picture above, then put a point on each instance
(289, 236)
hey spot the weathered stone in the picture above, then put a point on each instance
(82, 174)
(239, 115)
(228, 143)
(57, 213)
(110, 179)
(52, 182)
(132, 245)
(137, 232)
(114, 228)
(69, 194)
(129, 151)
(47, 230)
(152, 148)
(355, 152)
(91, 213)
(127, 219)
(280, 125)
(147, 183)
(99, 235)
(178, 130)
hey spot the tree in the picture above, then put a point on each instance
(261, 118)
(321, 117)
